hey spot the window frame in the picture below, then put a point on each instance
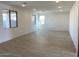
(34, 22)
(10, 18)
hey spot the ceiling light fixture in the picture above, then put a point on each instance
(59, 6)
(57, 1)
(24, 4)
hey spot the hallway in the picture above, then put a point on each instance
(40, 44)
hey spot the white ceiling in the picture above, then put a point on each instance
(42, 5)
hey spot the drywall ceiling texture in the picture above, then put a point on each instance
(74, 24)
(42, 5)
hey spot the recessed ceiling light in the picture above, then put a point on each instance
(24, 4)
(59, 6)
(57, 1)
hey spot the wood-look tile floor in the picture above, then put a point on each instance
(39, 44)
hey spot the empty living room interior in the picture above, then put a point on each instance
(39, 28)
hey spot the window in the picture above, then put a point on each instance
(13, 19)
(42, 19)
(9, 19)
(6, 19)
(34, 19)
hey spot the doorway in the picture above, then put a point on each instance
(40, 22)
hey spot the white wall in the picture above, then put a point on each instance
(57, 21)
(24, 24)
(73, 29)
(0, 20)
